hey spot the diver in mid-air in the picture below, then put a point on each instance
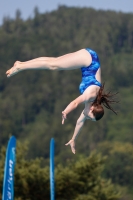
(91, 89)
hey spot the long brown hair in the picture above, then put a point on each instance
(103, 98)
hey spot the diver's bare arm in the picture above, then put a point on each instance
(85, 97)
(74, 104)
(79, 125)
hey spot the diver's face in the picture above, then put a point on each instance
(90, 114)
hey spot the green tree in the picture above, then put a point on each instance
(74, 181)
(119, 162)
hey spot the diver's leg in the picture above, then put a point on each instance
(66, 62)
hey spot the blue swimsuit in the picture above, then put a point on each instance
(88, 73)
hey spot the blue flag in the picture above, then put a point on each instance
(52, 169)
(8, 182)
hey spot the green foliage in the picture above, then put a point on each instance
(74, 181)
(32, 101)
(118, 165)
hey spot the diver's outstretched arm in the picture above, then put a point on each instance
(87, 97)
(69, 61)
(71, 106)
(78, 127)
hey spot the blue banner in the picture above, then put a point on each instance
(52, 169)
(8, 182)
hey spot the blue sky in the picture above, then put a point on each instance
(9, 7)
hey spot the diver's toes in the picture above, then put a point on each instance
(8, 72)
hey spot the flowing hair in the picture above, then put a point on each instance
(103, 98)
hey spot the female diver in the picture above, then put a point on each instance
(91, 89)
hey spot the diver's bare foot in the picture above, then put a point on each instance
(14, 70)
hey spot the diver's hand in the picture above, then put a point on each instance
(64, 116)
(72, 144)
